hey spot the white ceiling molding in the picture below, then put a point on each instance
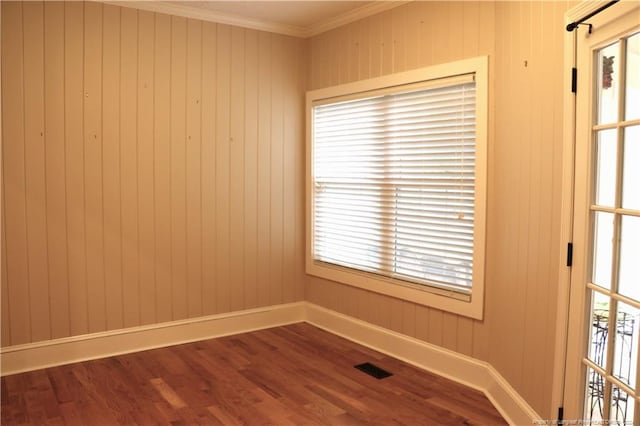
(189, 11)
(361, 12)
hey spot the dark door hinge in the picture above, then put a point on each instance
(560, 414)
(574, 80)
(569, 254)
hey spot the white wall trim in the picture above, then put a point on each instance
(452, 365)
(443, 362)
(566, 201)
(566, 205)
(361, 12)
(33, 356)
(187, 11)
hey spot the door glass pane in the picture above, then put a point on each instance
(631, 167)
(612, 358)
(607, 78)
(629, 270)
(625, 353)
(606, 157)
(602, 249)
(622, 406)
(633, 78)
(594, 403)
(599, 329)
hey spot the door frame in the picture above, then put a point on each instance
(566, 235)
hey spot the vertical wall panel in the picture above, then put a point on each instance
(209, 263)
(34, 157)
(508, 163)
(277, 175)
(15, 273)
(344, 64)
(162, 164)
(111, 166)
(364, 54)
(530, 61)
(353, 33)
(128, 166)
(74, 156)
(545, 171)
(471, 20)
(222, 166)
(6, 319)
(375, 46)
(178, 163)
(387, 53)
(399, 42)
(93, 165)
(419, 320)
(450, 331)
(250, 189)
(264, 164)
(55, 167)
(145, 167)
(412, 35)
(194, 165)
(303, 66)
(524, 191)
(291, 137)
(394, 312)
(236, 168)
(435, 326)
(440, 32)
(427, 35)
(455, 36)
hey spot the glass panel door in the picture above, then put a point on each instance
(613, 284)
(601, 362)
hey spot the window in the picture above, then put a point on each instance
(396, 185)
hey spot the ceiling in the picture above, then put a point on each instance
(295, 18)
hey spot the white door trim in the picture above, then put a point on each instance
(566, 201)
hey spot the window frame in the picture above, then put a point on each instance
(470, 305)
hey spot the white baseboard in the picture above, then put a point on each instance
(33, 356)
(452, 365)
(443, 362)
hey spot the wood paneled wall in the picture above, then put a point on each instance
(524, 42)
(152, 169)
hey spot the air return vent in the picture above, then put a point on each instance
(373, 370)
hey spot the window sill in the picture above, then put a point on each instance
(468, 305)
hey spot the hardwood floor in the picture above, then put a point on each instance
(296, 374)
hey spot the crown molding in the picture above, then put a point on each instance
(212, 16)
(188, 11)
(361, 12)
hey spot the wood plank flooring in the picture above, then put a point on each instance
(296, 374)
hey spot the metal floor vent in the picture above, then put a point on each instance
(373, 370)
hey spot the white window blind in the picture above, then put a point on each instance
(393, 183)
